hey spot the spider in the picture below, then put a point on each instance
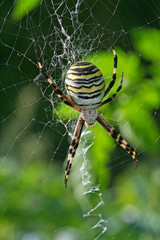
(85, 86)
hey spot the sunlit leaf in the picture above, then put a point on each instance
(65, 112)
(147, 43)
(100, 151)
(141, 125)
(23, 7)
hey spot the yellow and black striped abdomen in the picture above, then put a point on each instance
(85, 85)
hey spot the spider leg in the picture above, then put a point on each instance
(73, 147)
(59, 93)
(114, 69)
(114, 134)
(114, 95)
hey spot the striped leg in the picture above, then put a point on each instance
(73, 147)
(114, 95)
(113, 133)
(114, 70)
(59, 93)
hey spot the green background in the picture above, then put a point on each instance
(34, 141)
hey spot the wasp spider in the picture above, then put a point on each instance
(86, 88)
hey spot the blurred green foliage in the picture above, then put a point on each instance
(34, 203)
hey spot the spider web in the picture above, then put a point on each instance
(37, 127)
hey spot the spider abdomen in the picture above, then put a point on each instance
(85, 85)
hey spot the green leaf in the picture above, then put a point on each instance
(65, 112)
(100, 154)
(141, 126)
(23, 7)
(147, 42)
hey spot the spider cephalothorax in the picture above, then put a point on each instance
(86, 88)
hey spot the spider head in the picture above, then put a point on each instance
(89, 115)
